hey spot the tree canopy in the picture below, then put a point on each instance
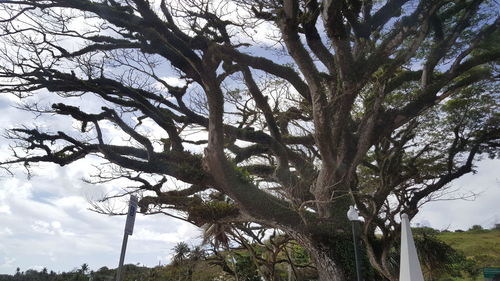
(380, 104)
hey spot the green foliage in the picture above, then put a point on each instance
(299, 255)
(244, 267)
(191, 164)
(212, 211)
(425, 231)
(439, 260)
(476, 227)
(241, 173)
(181, 253)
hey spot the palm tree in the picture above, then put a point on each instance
(181, 252)
(84, 268)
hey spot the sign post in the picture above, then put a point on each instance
(129, 229)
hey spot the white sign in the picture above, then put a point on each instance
(132, 209)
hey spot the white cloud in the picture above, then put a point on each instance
(148, 235)
(183, 232)
(50, 228)
(42, 227)
(56, 224)
(5, 209)
(8, 262)
(174, 81)
(37, 267)
(6, 231)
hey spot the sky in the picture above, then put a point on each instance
(45, 221)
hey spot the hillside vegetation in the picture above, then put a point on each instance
(481, 245)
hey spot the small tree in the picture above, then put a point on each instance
(181, 253)
(84, 268)
(476, 227)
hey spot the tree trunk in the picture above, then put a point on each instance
(323, 254)
(380, 260)
(328, 270)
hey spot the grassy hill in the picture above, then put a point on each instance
(481, 245)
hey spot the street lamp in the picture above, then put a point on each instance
(353, 216)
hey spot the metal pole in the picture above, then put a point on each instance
(122, 257)
(356, 254)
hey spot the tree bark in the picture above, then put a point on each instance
(328, 268)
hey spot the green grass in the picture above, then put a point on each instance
(480, 245)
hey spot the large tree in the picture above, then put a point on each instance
(377, 103)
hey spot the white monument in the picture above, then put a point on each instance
(409, 266)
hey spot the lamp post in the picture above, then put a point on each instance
(353, 216)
